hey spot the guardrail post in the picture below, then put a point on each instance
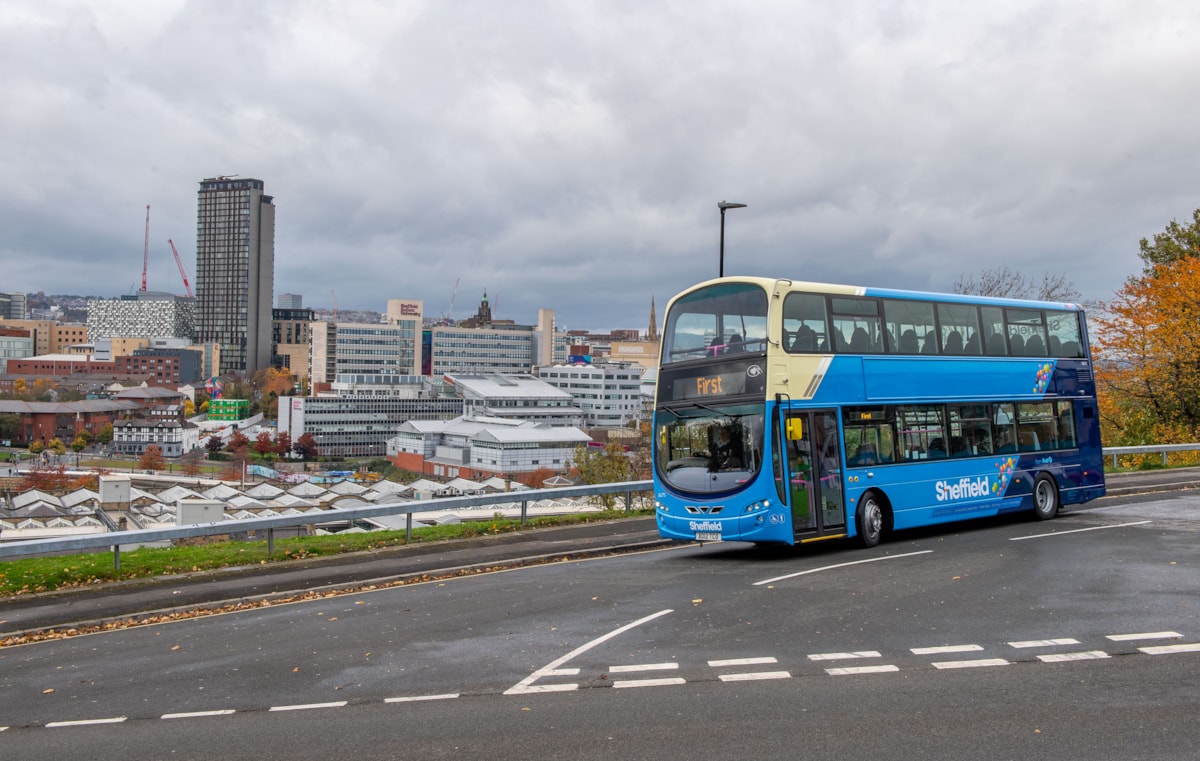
(628, 501)
(408, 528)
(270, 542)
(1114, 462)
(1164, 458)
(117, 557)
(524, 510)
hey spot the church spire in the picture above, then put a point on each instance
(652, 333)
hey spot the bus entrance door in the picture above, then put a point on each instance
(815, 474)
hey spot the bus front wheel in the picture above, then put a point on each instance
(869, 520)
(1045, 498)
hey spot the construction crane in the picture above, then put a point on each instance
(448, 318)
(146, 249)
(182, 274)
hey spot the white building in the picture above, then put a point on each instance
(515, 397)
(610, 395)
(174, 438)
(481, 447)
(143, 314)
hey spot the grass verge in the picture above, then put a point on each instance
(47, 574)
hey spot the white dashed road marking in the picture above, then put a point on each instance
(1090, 655)
(840, 565)
(1043, 643)
(980, 663)
(419, 698)
(86, 722)
(862, 670)
(1148, 635)
(308, 706)
(944, 649)
(197, 714)
(1076, 531)
(1194, 647)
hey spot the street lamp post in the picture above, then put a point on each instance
(723, 205)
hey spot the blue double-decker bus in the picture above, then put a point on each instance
(795, 412)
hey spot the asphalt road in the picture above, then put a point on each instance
(1077, 638)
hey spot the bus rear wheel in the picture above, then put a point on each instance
(1045, 498)
(869, 520)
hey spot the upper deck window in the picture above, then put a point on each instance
(726, 318)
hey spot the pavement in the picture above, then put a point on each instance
(160, 597)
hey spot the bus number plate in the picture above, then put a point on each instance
(708, 536)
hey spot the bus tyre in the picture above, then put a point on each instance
(1045, 498)
(869, 520)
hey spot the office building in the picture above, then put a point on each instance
(149, 314)
(13, 306)
(610, 395)
(390, 348)
(235, 271)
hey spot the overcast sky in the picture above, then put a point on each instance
(570, 155)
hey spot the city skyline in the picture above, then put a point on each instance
(572, 158)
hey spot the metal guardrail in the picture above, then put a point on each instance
(1116, 452)
(116, 539)
(142, 536)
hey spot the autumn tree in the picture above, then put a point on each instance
(56, 446)
(106, 434)
(606, 465)
(306, 446)
(238, 442)
(80, 443)
(152, 458)
(213, 445)
(191, 463)
(283, 444)
(1177, 243)
(1147, 348)
(263, 445)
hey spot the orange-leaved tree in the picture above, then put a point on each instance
(1148, 350)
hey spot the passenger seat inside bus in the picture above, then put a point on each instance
(908, 342)
(954, 343)
(1035, 347)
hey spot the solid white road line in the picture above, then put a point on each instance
(1076, 531)
(844, 656)
(524, 686)
(840, 565)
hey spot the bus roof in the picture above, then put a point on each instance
(769, 285)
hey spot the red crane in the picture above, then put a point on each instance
(182, 274)
(146, 249)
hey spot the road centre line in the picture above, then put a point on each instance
(1043, 643)
(1090, 655)
(642, 667)
(840, 565)
(309, 706)
(980, 663)
(85, 722)
(197, 714)
(862, 670)
(754, 676)
(844, 656)
(666, 682)
(743, 662)
(1147, 635)
(524, 686)
(1076, 531)
(946, 649)
(1193, 647)
(419, 698)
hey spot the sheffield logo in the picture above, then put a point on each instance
(704, 525)
(962, 489)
